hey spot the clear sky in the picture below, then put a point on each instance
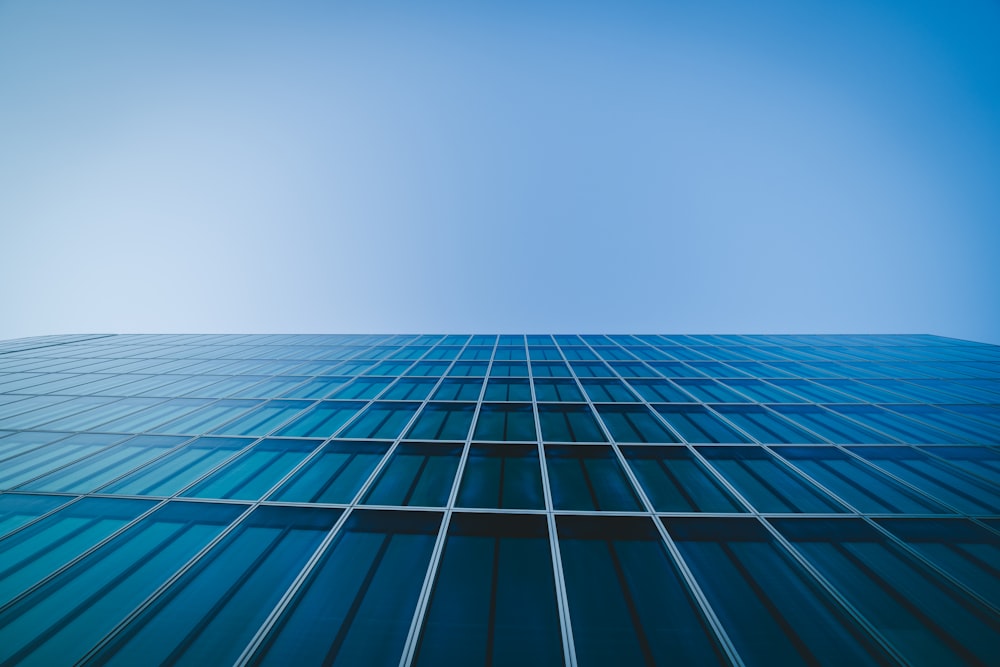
(673, 166)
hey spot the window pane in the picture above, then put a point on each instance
(569, 423)
(459, 390)
(676, 481)
(773, 612)
(500, 389)
(335, 475)
(502, 476)
(323, 420)
(384, 421)
(356, 606)
(505, 422)
(252, 474)
(619, 582)
(765, 426)
(417, 474)
(443, 421)
(696, 424)
(494, 597)
(634, 424)
(565, 391)
(588, 478)
(213, 611)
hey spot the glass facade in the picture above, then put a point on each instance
(499, 499)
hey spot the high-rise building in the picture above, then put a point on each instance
(482, 499)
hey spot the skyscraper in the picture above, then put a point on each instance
(483, 499)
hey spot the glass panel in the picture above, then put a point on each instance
(550, 369)
(443, 421)
(207, 418)
(30, 555)
(83, 421)
(767, 483)
(862, 486)
(17, 509)
(264, 419)
(505, 422)
(697, 424)
(25, 441)
(459, 390)
(676, 481)
(213, 611)
(94, 471)
(363, 388)
(253, 473)
(58, 622)
(763, 392)
(569, 423)
(608, 391)
(936, 478)
(410, 390)
(979, 461)
(764, 425)
(335, 475)
(509, 369)
(502, 476)
(660, 391)
(500, 389)
(323, 420)
(966, 551)
(37, 462)
(319, 387)
(619, 582)
(178, 469)
(929, 621)
(416, 474)
(711, 391)
(588, 478)
(774, 613)
(494, 598)
(356, 606)
(900, 428)
(829, 424)
(565, 391)
(628, 423)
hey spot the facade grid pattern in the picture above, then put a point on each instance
(499, 499)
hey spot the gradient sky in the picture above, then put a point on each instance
(689, 166)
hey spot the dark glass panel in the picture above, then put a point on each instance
(588, 478)
(676, 481)
(416, 474)
(335, 475)
(502, 476)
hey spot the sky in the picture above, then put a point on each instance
(689, 166)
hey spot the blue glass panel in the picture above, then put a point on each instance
(95, 471)
(505, 422)
(935, 477)
(335, 475)
(178, 469)
(416, 474)
(59, 621)
(550, 369)
(264, 419)
(862, 486)
(588, 478)
(502, 476)
(253, 473)
(569, 423)
(830, 425)
(565, 391)
(356, 606)
(18, 443)
(676, 481)
(768, 484)
(407, 389)
(764, 425)
(608, 391)
(966, 551)
(208, 417)
(323, 420)
(619, 582)
(628, 423)
(501, 389)
(443, 421)
(17, 509)
(774, 613)
(88, 419)
(494, 597)
(362, 388)
(30, 555)
(459, 390)
(900, 428)
(212, 612)
(319, 387)
(697, 424)
(37, 462)
(761, 391)
(929, 621)
(660, 391)
(710, 391)
(980, 461)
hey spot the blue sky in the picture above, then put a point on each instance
(684, 166)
